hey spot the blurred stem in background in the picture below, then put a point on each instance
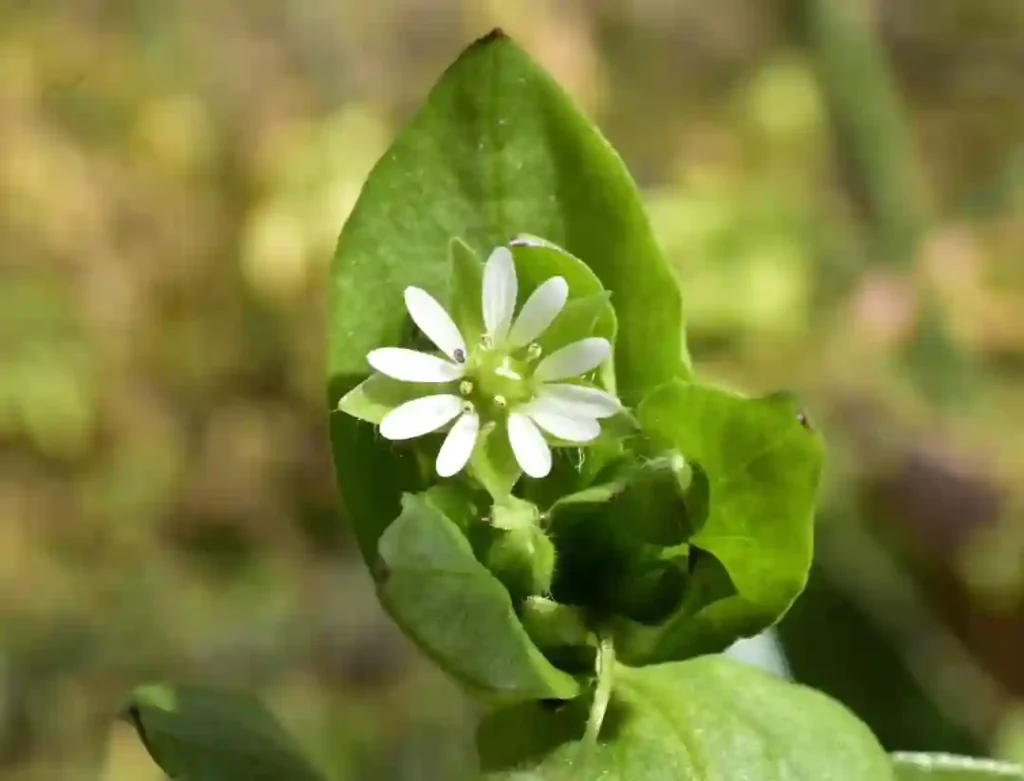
(882, 172)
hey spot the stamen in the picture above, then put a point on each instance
(500, 402)
(533, 352)
(467, 407)
(459, 355)
(487, 342)
(465, 387)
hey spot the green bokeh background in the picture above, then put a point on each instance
(842, 194)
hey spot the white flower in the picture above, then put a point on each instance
(500, 378)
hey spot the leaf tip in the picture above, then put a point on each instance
(497, 34)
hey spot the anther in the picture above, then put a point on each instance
(465, 387)
(459, 355)
(533, 351)
(500, 402)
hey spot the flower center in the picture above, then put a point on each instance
(498, 381)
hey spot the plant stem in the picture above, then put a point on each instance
(603, 692)
(875, 138)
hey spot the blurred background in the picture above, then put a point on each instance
(840, 185)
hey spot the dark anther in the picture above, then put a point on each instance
(803, 420)
(459, 355)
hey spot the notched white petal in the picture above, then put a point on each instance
(435, 322)
(528, 445)
(420, 416)
(458, 445)
(574, 359)
(557, 421)
(591, 402)
(413, 366)
(539, 311)
(499, 291)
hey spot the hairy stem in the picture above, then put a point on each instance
(603, 692)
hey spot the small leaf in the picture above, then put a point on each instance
(762, 468)
(589, 310)
(378, 394)
(582, 317)
(911, 766)
(196, 734)
(458, 612)
(708, 719)
(494, 464)
(538, 260)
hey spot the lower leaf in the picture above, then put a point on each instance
(458, 612)
(707, 719)
(197, 734)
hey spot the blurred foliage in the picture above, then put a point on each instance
(173, 174)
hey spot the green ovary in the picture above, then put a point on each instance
(497, 382)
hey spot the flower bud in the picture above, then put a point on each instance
(523, 559)
(553, 625)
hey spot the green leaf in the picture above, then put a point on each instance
(762, 464)
(465, 302)
(197, 734)
(378, 394)
(947, 767)
(708, 719)
(497, 150)
(458, 612)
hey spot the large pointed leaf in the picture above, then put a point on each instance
(761, 462)
(458, 612)
(947, 767)
(708, 719)
(497, 150)
(197, 734)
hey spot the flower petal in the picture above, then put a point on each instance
(420, 416)
(540, 309)
(557, 421)
(500, 289)
(582, 400)
(458, 445)
(413, 366)
(436, 323)
(574, 359)
(528, 445)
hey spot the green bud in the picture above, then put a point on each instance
(553, 625)
(523, 559)
(653, 585)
